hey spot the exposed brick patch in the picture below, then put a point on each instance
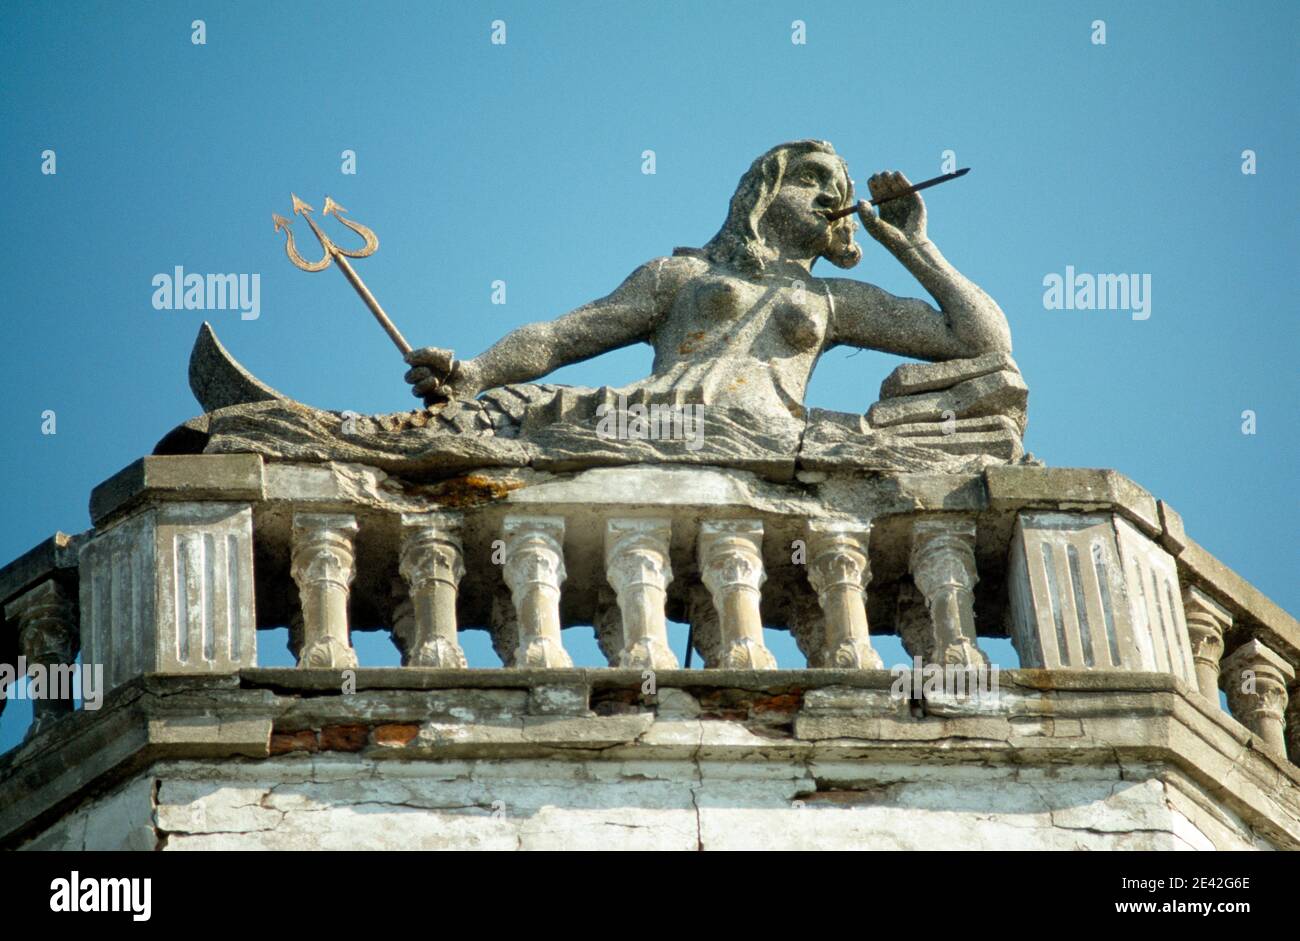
(779, 702)
(743, 705)
(344, 737)
(284, 742)
(396, 734)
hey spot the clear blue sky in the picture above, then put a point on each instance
(522, 162)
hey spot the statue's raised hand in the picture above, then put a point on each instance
(900, 224)
(436, 376)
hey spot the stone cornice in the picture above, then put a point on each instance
(1037, 717)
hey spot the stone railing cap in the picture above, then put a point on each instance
(1015, 488)
(46, 559)
(232, 477)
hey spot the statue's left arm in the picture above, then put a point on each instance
(967, 322)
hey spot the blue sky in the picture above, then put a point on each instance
(522, 162)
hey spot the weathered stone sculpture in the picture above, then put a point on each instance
(737, 327)
(705, 493)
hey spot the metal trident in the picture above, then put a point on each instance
(334, 253)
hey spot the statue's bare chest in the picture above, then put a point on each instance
(720, 315)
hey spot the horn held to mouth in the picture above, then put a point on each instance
(832, 216)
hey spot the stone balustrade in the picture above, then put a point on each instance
(191, 556)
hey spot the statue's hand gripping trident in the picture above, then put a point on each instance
(333, 253)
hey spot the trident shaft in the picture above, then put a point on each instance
(339, 256)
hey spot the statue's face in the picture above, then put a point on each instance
(795, 222)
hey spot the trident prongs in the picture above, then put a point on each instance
(334, 253)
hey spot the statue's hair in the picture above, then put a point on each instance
(738, 243)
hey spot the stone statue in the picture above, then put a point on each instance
(737, 327)
(743, 320)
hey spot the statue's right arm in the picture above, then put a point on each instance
(629, 314)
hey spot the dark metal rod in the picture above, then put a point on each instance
(914, 188)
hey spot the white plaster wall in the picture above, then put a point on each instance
(343, 802)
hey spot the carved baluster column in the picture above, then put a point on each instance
(1255, 679)
(943, 568)
(839, 570)
(636, 563)
(47, 635)
(323, 565)
(1207, 622)
(432, 564)
(731, 567)
(534, 570)
(705, 634)
(607, 622)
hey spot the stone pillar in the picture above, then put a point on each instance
(169, 589)
(323, 565)
(1255, 679)
(1207, 622)
(534, 570)
(943, 568)
(636, 564)
(432, 564)
(838, 570)
(731, 567)
(47, 635)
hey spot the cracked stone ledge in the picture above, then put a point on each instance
(793, 723)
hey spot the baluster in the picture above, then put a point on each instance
(47, 636)
(323, 566)
(432, 564)
(534, 570)
(943, 568)
(839, 570)
(1255, 679)
(731, 567)
(1207, 622)
(636, 564)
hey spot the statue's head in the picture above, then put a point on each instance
(778, 209)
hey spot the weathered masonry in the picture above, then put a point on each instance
(1111, 735)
